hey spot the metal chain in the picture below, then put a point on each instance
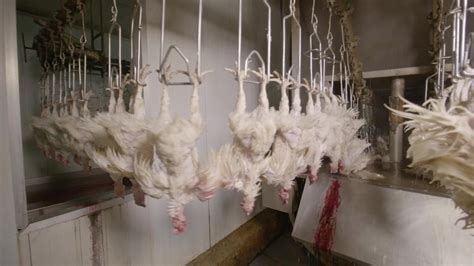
(329, 36)
(62, 56)
(114, 10)
(292, 7)
(83, 39)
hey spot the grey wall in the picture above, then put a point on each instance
(393, 34)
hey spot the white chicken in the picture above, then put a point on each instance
(284, 162)
(355, 154)
(442, 143)
(343, 145)
(172, 170)
(316, 136)
(333, 142)
(254, 134)
(45, 132)
(240, 165)
(125, 130)
(40, 124)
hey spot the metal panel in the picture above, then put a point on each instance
(24, 248)
(115, 237)
(12, 102)
(384, 226)
(171, 249)
(270, 199)
(226, 214)
(57, 245)
(88, 244)
(8, 242)
(140, 240)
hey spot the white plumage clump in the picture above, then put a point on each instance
(241, 164)
(253, 134)
(292, 148)
(346, 150)
(172, 170)
(282, 165)
(442, 143)
(126, 134)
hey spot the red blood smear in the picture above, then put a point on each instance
(327, 222)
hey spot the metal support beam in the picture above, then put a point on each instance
(11, 157)
(396, 127)
(10, 111)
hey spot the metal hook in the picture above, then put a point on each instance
(134, 69)
(83, 41)
(114, 10)
(329, 38)
(239, 46)
(315, 22)
(114, 26)
(163, 60)
(163, 76)
(269, 36)
(199, 44)
(292, 15)
(262, 64)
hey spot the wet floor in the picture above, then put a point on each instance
(284, 251)
(288, 252)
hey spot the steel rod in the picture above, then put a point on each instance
(163, 19)
(199, 40)
(139, 41)
(239, 49)
(269, 37)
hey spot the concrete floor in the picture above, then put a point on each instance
(284, 251)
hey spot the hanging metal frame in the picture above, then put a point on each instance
(292, 15)
(265, 66)
(115, 26)
(164, 57)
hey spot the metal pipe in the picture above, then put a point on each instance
(283, 61)
(293, 16)
(73, 76)
(132, 40)
(443, 67)
(164, 57)
(311, 74)
(91, 16)
(101, 10)
(311, 57)
(239, 52)
(84, 85)
(463, 31)
(396, 127)
(163, 19)
(269, 37)
(139, 41)
(199, 40)
(114, 25)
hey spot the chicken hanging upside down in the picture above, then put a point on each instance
(442, 143)
(240, 165)
(172, 168)
(127, 133)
